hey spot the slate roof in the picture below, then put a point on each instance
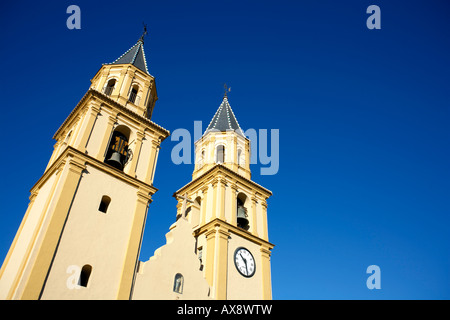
(135, 56)
(224, 119)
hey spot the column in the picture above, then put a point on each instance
(204, 205)
(136, 152)
(221, 199)
(220, 281)
(90, 120)
(46, 249)
(103, 77)
(254, 220)
(125, 86)
(18, 267)
(133, 247)
(265, 272)
(210, 253)
(212, 149)
(214, 203)
(152, 162)
(106, 137)
(265, 235)
(217, 261)
(234, 204)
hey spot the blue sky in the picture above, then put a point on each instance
(363, 118)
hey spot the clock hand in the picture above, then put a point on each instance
(245, 261)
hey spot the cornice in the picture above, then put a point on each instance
(164, 133)
(218, 225)
(80, 160)
(221, 169)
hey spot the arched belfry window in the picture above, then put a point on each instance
(178, 283)
(133, 94)
(242, 216)
(220, 154)
(202, 158)
(110, 87)
(239, 160)
(85, 275)
(118, 153)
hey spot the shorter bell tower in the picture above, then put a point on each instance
(228, 212)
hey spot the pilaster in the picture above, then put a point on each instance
(93, 112)
(134, 244)
(57, 217)
(266, 277)
(136, 152)
(204, 205)
(254, 226)
(112, 119)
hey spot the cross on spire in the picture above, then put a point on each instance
(226, 89)
(144, 32)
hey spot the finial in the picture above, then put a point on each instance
(144, 33)
(226, 89)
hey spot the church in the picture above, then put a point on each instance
(81, 235)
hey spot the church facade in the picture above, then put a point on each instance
(81, 235)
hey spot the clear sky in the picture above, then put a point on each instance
(363, 117)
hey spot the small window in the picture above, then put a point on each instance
(202, 158)
(178, 283)
(220, 154)
(104, 204)
(110, 87)
(133, 94)
(239, 154)
(84, 275)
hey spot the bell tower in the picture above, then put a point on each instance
(228, 212)
(81, 234)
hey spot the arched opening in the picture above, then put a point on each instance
(239, 154)
(118, 153)
(133, 93)
(198, 201)
(110, 87)
(220, 154)
(104, 204)
(85, 275)
(242, 216)
(178, 283)
(202, 159)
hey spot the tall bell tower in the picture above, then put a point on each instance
(228, 212)
(81, 234)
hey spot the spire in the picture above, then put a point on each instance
(135, 55)
(224, 119)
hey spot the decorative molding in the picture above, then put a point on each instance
(94, 94)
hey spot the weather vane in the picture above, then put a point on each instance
(226, 89)
(144, 33)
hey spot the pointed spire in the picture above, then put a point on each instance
(224, 118)
(135, 55)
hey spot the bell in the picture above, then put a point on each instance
(242, 220)
(115, 160)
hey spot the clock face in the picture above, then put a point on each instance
(244, 262)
